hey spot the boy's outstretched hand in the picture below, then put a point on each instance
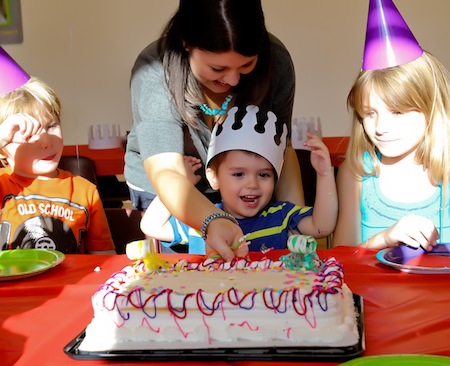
(320, 155)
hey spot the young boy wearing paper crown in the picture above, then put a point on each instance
(245, 158)
(43, 207)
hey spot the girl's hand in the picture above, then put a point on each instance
(320, 155)
(192, 164)
(18, 128)
(415, 231)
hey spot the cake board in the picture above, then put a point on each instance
(288, 353)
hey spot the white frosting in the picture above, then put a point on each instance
(266, 307)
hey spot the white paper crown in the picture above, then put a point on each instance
(253, 132)
(104, 137)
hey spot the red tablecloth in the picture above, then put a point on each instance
(403, 313)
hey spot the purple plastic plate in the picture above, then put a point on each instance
(417, 260)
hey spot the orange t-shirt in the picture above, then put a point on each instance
(64, 213)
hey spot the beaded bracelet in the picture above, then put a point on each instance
(216, 215)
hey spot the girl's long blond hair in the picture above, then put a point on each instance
(422, 85)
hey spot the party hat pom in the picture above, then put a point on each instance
(12, 76)
(389, 41)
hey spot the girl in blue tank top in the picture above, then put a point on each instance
(394, 185)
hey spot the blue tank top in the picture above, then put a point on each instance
(379, 212)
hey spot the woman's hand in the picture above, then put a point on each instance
(415, 231)
(223, 238)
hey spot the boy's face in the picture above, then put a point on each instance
(246, 182)
(39, 156)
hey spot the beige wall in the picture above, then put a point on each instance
(85, 50)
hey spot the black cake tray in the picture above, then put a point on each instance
(291, 353)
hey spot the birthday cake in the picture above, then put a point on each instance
(243, 303)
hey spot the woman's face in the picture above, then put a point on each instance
(219, 72)
(395, 134)
(246, 182)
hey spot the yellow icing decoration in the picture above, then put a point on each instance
(142, 250)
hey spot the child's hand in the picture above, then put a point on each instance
(192, 164)
(320, 156)
(415, 231)
(18, 128)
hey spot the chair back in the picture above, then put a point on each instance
(79, 165)
(125, 226)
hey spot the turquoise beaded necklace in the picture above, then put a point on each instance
(217, 112)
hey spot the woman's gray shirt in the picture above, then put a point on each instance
(157, 126)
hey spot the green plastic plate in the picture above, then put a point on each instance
(21, 263)
(394, 360)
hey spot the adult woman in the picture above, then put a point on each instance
(211, 55)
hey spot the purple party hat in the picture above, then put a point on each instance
(389, 41)
(12, 76)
